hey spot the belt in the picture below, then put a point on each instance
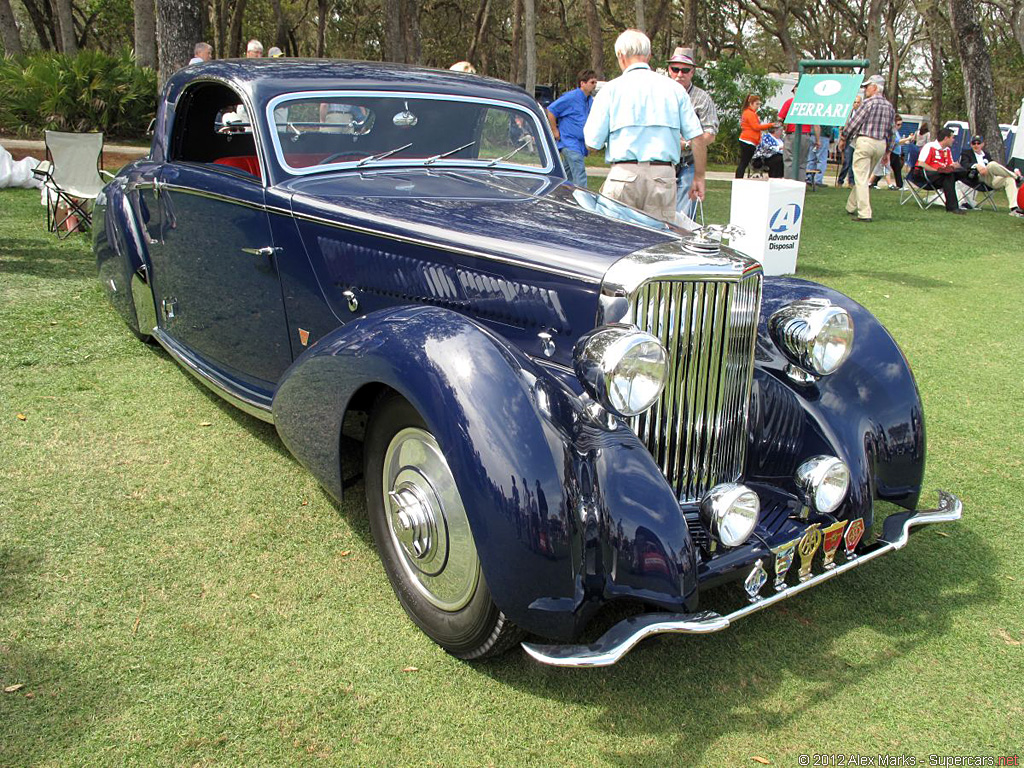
(648, 162)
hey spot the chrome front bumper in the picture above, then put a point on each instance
(620, 639)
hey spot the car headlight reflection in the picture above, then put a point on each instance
(730, 511)
(814, 334)
(824, 481)
(623, 368)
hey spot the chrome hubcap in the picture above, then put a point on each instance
(427, 521)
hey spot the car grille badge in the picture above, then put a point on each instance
(755, 580)
(783, 559)
(807, 548)
(831, 537)
(853, 536)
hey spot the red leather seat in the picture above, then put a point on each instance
(247, 163)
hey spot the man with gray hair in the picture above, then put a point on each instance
(254, 49)
(202, 52)
(871, 130)
(641, 118)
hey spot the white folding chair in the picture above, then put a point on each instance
(73, 180)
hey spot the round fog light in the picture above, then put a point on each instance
(824, 481)
(730, 510)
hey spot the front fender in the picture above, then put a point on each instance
(868, 412)
(566, 512)
(120, 253)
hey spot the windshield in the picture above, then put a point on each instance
(325, 130)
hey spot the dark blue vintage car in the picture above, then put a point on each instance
(570, 413)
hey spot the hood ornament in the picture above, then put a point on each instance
(707, 240)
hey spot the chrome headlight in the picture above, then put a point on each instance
(730, 511)
(814, 334)
(621, 367)
(824, 481)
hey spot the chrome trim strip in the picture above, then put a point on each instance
(251, 402)
(621, 638)
(213, 196)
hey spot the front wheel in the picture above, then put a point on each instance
(423, 536)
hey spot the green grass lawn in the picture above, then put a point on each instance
(176, 590)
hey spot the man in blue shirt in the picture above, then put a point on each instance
(642, 117)
(567, 114)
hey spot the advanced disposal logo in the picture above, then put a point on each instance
(784, 225)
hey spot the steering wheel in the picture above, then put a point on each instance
(354, 155)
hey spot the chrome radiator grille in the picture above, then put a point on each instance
(697, 430)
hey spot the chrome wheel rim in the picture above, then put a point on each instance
(427, 521)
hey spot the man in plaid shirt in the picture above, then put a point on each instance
(871, 130)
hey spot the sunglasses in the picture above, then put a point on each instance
(680, 70)
(977, 142)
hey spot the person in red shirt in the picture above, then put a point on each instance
(936, 169)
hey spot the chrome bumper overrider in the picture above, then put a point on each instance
(621, 638)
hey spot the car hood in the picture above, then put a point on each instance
(532, 220)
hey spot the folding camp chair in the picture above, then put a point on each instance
(925, 195)
(983, 194)
(73, 179)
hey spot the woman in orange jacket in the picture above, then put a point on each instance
(750, 132)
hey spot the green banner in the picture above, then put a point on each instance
(823, 99)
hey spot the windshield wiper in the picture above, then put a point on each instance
(449, 153)
(503, 158)
(382, 155)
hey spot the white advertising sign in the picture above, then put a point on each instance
(771, 214)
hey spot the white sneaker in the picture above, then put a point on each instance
(1017, 212)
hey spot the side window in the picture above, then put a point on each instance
(510, 134)
(212, 126)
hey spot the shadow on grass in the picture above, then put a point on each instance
(36, 257)
(57, 704)
(896, 278)
(683, 695)
(15, 565)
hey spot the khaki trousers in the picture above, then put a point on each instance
(998, 177)
(867, 153)
(648, 188)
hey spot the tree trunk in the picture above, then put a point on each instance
(66, 25)
(934, 24)
(873, 43)
(689, 34)
(979, 89)
(411, 34)
(530, 32)
(42, 22)
(515, 69)
(321, 28)
(235, 42)
(594, 32)
(641, 22)
(219, 24)
(9, 30)
(145, 33)
(482, 17)
(179, 27)
(392, 30)
(280, 28)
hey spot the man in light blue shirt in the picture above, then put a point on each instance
(642, 117)
(567, 114)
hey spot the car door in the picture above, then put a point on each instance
(216, 271)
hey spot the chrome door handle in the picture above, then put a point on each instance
(266, 251)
